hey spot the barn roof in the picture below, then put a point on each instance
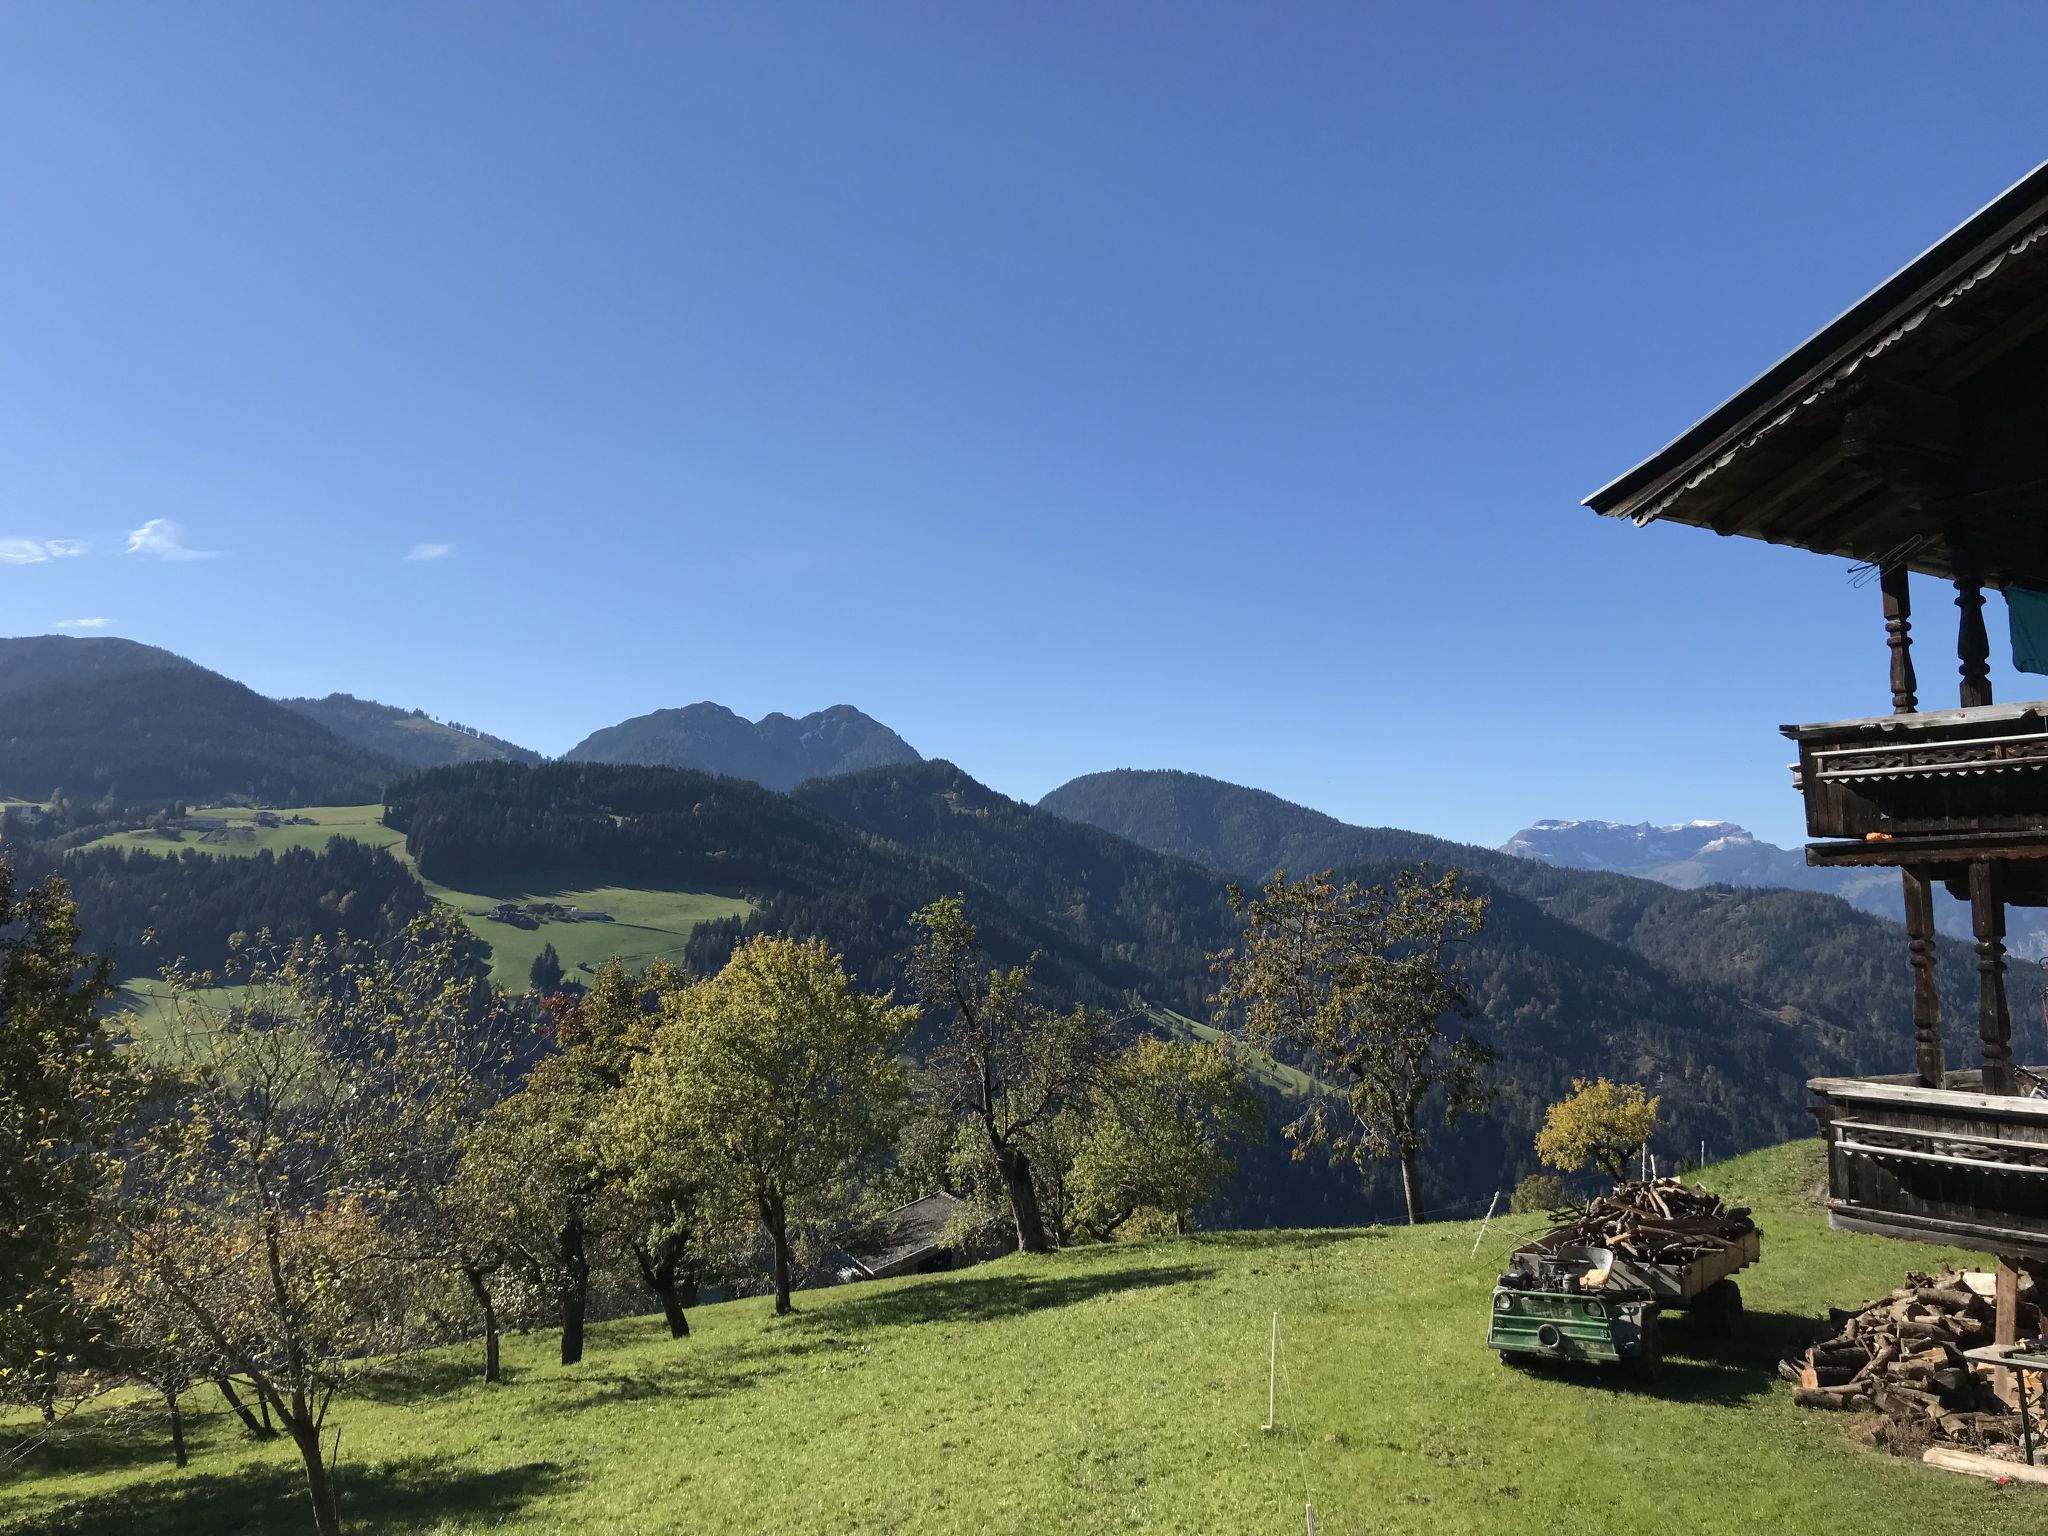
(1822, 450)
(903, 1234)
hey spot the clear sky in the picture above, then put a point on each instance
(1071, 387)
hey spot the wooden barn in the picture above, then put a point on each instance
(1910, 434)
(910, 1240)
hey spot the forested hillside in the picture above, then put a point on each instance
(144, 910)
(1722, 1001)
(407, 736)
(174, 732)
(29, 660)
(807, 874)
(1240, 832)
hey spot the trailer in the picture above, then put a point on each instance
(1560, 1300)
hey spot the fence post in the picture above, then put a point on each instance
(1272, 1373)
(1485, 1224)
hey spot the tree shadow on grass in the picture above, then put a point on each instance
(99, 1439)
(980, 1298)
(257, 1501)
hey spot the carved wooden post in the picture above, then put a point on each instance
(1994, 1023)
(1898, 633)
(1927, 1053)
(1973, 645)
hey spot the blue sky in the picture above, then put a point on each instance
(1176, 385)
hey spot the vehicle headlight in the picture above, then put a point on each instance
(1503, 1301)
(1596, 1309)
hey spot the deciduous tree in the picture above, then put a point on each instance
(773, 1084)
(1163, 1135)
(64, 1095)
(1600, 1124)
(280, 1197)
(1364, 982)
(1004, 1062)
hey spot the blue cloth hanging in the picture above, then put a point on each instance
(2029, 614)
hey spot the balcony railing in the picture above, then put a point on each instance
(1948, 1165)
(1941, 774)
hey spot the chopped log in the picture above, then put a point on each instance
(1822, 1397)
(1957, 1300)
(1978, 1465)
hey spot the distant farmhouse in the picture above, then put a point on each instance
(910, 1240)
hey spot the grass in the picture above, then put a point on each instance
(1289, 1082)
(241, 835)
(648, 923)
(1103, 1389)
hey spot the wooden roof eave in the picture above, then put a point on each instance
(1920, 309)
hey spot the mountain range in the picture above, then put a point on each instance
(1721, 994)
(1698, 853)
(102, 717)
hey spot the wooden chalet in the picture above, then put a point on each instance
(1911, 434)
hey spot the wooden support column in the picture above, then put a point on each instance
(1898, 633)
(2005, 1303)
(1927, 1053)
(1994, 1022)
(1973, 644)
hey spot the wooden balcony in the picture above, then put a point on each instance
(1949, 1165)
(1945, 773)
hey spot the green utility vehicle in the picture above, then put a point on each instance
(1563, 1301)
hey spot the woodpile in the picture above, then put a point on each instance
(1654, 1221)
(1902, 1357)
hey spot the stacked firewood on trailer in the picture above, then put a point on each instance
(1902, 1357)
(1652, 1221)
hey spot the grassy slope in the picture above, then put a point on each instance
(647, 923)
(1100, 1389)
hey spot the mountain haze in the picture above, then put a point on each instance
(1240, 832)
(1699, 853)
(410, 737)
(107, 718)
(29, 660)
(775, 751)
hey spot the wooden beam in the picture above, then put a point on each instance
(1942, 849)
(1994, 1022)
(1894, 582)
(1927, 1054)
(2006, 1304)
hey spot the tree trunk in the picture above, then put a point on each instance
(319, 1486)
(177, 1426)
(660, 1273)
(481, 1290)
(775, 1217)
(574, 1288)
(1015, 1168)
(1411, 1187)
(259, 1429)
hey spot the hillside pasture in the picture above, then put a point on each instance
(1117, 1388)
(241, 835)
(647, 923)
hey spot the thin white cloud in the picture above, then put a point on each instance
(430, 552)
(36, 551)
(166, 540)
(76, 626)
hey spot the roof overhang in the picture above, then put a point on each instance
(1874, 439)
